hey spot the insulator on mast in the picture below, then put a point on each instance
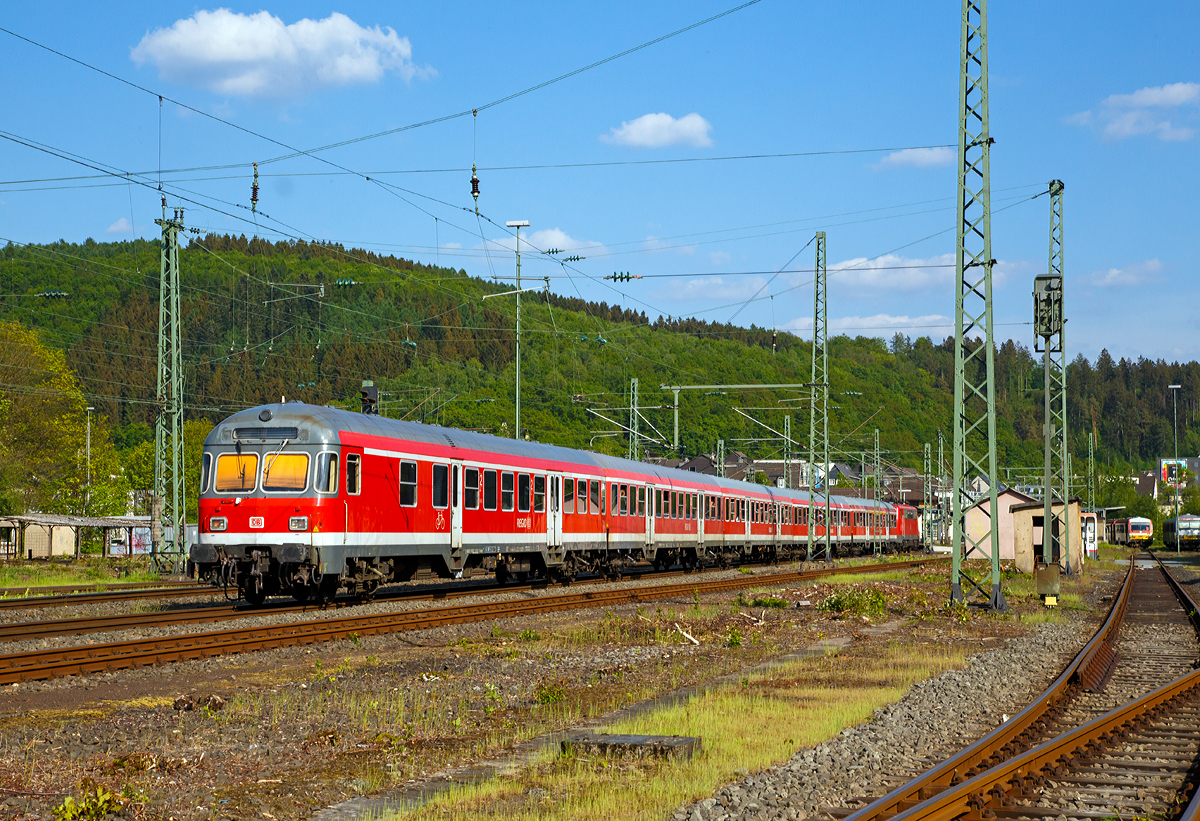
(254, 191)
(475, 187)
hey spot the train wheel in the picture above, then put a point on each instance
(255, 595)
(326, 589)
(501, 574)
(302, 594)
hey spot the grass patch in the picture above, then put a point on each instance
(21, 576)
(746, 727)
(856, 601)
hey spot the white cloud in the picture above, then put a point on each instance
(918, 158)
(929, 324)
(1145, 111)
(891, 273)
(258, 55)
(1135, 274)
(719, 258)
(721, 289)
(546, 239)
(658, 130)
(121, 226)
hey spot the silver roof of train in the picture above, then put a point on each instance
(320, 424)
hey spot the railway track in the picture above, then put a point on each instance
(172, 590)
(82, 625)
(94, 658)
(91, 587)
(1116, 735)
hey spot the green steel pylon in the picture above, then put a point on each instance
(927, 499)
(1048, 322)
(787, 451)
(635, 445)
(721, 458)
(974, 356)
(168, 510)
(818, 419)
(877, 495)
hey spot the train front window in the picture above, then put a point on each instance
(441, 485)
(326, 478)
(236, 472)
(285, 471)
(205, 469)
(408, 484)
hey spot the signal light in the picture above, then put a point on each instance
(369, 397)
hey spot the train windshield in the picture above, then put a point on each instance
(1136, 527)
(236, 472)
(285, 471)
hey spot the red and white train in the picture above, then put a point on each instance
(302, 500)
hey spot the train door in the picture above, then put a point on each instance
(554, 512)
(456, 508)
(649, 491)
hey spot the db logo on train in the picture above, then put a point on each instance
(258, 522)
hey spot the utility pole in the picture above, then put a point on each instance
(1091, 478)
(168, 509)
(1048, 322)
(818, 420)
(87, 499)
(675, 443)
(721, 458)
(974, 359)
(518, 224)
(635, 445)
(787, 451)
(1175, 485)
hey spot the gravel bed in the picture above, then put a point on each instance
(935, 718)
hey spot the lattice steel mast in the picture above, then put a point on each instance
(787, 451)
(974, 359)
(818, 420)
(927, 499)
(167, 508)
(1091, 479)
(877, 495)
(635, 443)
(1048, 321)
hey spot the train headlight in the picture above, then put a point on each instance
(218, 524)
(298, 523)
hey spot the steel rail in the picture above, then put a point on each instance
(91, 587)
(1019, 777)
(182, 591)
(1088, 669)
(95, 658)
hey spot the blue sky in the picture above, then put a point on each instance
(1107, 101)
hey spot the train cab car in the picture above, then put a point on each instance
(302, 500)
(1182, 532)
(1089, 535)
(1135, 530)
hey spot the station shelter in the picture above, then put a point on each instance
(1029, 531)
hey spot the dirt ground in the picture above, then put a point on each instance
(285, 733)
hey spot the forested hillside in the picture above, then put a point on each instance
(257, 327)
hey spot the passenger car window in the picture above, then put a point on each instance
(595, 497)
(506, 491)
(326, 478)
(539, 494)
(236, 472)
(441, 485)
(471, 488)
(285, 471)
(523, 493)
(569, 496)
(583, 496)
(353, 474)
(408, 484)
(489, 490)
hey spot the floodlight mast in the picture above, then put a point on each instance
(518, 224)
